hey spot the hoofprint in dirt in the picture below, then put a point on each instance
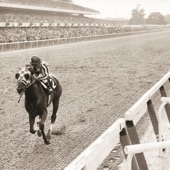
(100, 79)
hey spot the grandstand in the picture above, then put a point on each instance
(29, 20)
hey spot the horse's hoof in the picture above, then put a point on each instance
(49, 134)
(39, 133)
(33, 131)
(47, 142)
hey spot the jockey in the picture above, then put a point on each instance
(40, 70)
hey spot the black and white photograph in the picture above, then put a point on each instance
(85, 85)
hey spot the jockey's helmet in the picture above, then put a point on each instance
(35, 60)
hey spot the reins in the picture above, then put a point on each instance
(30, 84)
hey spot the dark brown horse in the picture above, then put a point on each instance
(36, 100)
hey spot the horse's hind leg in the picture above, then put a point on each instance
(53, 117)
(55, 109)
(41, 126)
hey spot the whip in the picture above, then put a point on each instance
(20, 97)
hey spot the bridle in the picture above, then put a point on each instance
(27, 85)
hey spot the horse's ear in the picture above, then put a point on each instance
(26, 76)
(17, 75)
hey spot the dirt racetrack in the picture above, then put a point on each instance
(101, 80)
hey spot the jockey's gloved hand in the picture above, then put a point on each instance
(36, 77)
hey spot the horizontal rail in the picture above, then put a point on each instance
(135, 109)
(131, 150)
(138, 148)
(95, 154)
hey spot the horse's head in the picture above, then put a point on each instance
(23, 77)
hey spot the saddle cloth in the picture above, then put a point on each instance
(52, 84)
(51, 81)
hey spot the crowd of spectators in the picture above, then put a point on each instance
(46, 18)
(50, 3)
(32, 32)
(43, 33)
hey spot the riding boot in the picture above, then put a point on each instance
(50, 90)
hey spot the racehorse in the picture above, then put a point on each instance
(36, 100)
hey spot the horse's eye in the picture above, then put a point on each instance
(17, 75)
(26, 76)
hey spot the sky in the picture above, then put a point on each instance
(123, 8)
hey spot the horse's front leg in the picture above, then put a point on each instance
(32, 121)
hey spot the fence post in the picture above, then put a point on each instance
(153, 118)
(124, 140)
(167, 106)
(135, 140)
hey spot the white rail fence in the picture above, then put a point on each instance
(138, 110)
(164, 101)
(124, 131)
(131, 150)
(94, 155)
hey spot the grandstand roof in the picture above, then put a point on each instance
(75, 8)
